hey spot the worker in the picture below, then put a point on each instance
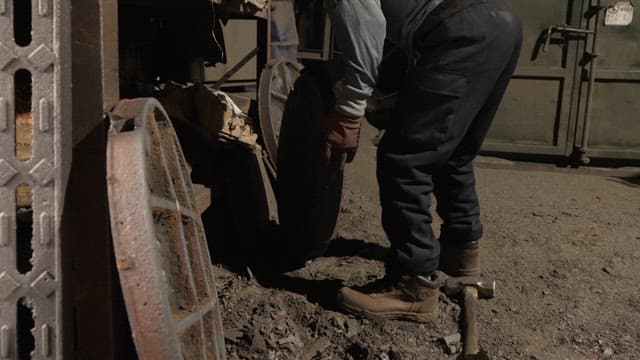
(462, 56)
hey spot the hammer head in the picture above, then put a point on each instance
(486, 288)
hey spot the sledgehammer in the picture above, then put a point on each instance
(472, 288)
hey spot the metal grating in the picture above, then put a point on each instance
(161, 250)
(30, 281)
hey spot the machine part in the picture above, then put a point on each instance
(161, 250)
(276, 82)
(308, 187)
(34, 40)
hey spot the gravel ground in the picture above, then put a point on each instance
(562, 246)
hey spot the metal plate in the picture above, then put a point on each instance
(308, 188)
(276, 82)
(161, 251)
(619, 14)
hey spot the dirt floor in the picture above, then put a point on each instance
(562, 246)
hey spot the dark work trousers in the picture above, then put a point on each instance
(446, 106)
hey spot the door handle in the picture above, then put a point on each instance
(562, 29)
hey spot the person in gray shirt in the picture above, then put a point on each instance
(461, 55)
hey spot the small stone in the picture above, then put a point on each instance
(292, 339)
(546, 292)
(353, 328)
(607, 352)
(452, 343)
(338, 322)
(627, 338)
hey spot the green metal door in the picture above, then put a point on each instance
(612, 118)
(535, 116)
(545, 109)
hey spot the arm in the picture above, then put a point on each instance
(360, 30)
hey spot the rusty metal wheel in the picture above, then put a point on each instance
(161, 251)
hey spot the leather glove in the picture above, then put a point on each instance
(342, 136)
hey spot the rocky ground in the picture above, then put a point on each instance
(563, 247)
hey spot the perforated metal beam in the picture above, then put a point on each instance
(37, 283)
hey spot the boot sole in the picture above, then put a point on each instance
(394, 315)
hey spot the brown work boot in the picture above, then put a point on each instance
(460, 259)
(413, 298)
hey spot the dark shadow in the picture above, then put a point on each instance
(92, 291)
(342, 247)
(633, 182)
(321, 292)
(259, 256)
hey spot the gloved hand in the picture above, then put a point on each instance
(342, 135)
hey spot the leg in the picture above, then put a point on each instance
(405, 194)
(445, 110)
(455, 190)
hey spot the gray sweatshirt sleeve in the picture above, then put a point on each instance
(360, 29)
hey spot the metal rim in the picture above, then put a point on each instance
(276, 82)
(161, 252)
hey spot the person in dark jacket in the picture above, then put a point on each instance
(463, 54)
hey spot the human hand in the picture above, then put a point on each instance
(342, 136)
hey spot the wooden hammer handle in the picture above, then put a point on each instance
(470, 340)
